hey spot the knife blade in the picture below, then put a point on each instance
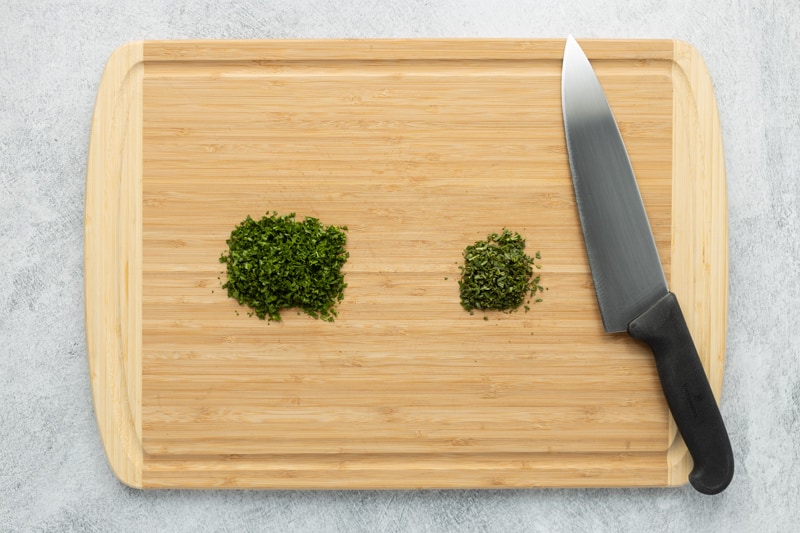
(630, 285)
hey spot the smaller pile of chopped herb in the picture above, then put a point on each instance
(497, 274)
(279, 263)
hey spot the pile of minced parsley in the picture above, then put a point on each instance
(498, 275)
(279, 263)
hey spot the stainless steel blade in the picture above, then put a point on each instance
(626, 270)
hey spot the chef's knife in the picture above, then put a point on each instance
(629, 282)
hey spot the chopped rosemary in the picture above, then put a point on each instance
(279, 263)
(497, 274)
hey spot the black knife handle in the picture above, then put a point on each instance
(688, 393)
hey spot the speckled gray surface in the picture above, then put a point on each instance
(53, 473)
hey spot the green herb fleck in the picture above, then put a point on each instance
(497, 273)
(279, 263)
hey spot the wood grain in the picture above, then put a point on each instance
(112, 261)
(420, 148)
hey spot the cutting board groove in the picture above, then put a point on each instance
(420, 147)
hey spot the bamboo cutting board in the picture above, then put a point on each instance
(420, 147)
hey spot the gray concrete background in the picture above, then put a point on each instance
(53, 473)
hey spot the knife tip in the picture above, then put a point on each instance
(573, 49)
(571, 44)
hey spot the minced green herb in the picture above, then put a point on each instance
(279, 263)
(497, 274)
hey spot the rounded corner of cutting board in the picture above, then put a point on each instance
(127, 472)
(112, 255)
(126, 55)
(685, 52)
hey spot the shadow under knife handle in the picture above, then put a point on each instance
(688, 393)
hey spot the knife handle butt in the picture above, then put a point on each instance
(688, 393)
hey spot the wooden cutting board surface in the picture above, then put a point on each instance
(420, 147)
